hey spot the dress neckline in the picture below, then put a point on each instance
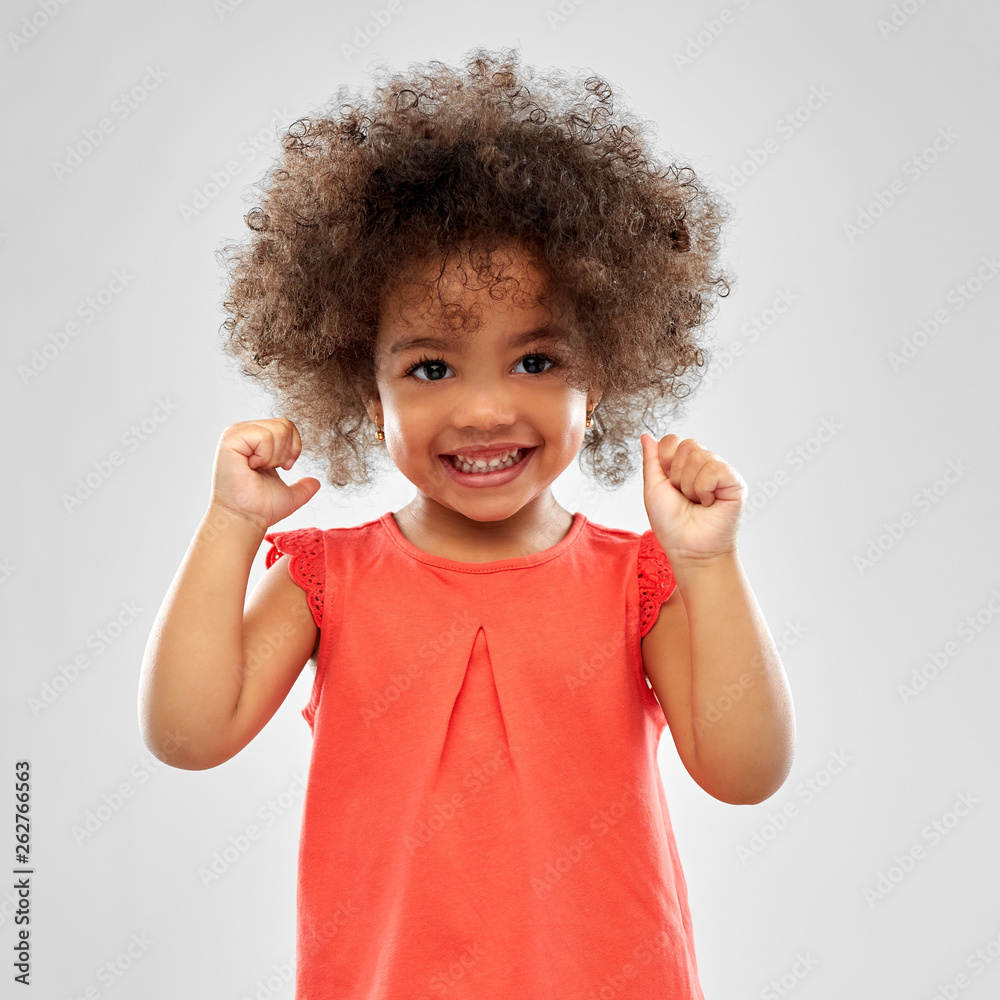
(517, 562)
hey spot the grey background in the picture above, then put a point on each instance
(233, 75)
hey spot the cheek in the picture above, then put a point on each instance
(566, 418)
(414, 427)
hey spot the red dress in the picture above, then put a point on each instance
(484, 817)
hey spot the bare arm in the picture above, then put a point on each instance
(718, 677)
(199, 704)
(710, 657)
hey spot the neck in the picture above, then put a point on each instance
(431, 526)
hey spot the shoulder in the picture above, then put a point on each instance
(612, 542)
(619, 536)
(302, 552)
(642, 544)
(312, 550)
(296, 542)
(649, 563)
(641, 556)
(307, 549)
(309, 542)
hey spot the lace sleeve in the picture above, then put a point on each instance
(307, 565)
(656, 580)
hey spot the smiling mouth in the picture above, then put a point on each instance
(482, 466)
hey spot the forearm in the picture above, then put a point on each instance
(743, 722)
(192, 668)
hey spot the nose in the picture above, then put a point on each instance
(483, 405)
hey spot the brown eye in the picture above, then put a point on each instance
(533, 360)
(432, 364)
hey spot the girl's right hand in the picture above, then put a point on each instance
(245, 480)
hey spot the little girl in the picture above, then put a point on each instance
(483, 280)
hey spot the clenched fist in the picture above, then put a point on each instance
(245, 479)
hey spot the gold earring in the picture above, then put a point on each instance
(589, 415)
(379, 436)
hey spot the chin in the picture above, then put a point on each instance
(485, 510)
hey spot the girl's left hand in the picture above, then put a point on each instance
(694, 500)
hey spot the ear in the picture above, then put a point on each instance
(373, 406)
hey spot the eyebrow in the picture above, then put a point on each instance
(543, 333)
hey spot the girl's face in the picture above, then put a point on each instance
(477, 394)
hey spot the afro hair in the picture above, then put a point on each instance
(439, 160)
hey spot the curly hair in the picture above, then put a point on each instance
(437, 161)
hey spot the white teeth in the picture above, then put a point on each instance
(480, 465)
(496, 460)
